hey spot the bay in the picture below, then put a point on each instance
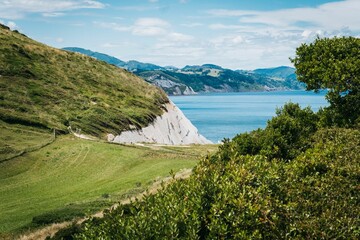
(223, 115)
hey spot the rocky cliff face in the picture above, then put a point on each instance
(171, 128)
(169, 86)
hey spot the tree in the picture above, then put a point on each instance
(285, 136)
(333, 64)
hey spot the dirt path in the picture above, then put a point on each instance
(41, 234)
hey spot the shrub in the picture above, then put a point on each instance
(315, 196)
(285, 136)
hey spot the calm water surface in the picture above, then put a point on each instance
(223, 115)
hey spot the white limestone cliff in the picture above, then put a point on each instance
(171, 128)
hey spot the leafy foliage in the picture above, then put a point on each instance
(285, 136)
(333, 64)
(314, 196)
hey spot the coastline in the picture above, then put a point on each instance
(171, 128)
(224, 115)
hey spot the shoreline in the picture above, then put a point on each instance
(170, 128)
(234, 93)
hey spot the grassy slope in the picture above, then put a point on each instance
(42, 88)
(74, 171)
(16, 139)
(51, 88)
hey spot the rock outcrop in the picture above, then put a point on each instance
(171, 128)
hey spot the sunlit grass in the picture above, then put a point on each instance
(75, 171)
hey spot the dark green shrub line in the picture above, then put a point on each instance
(243, 197)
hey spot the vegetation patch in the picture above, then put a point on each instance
(18, 139)
(315, 195)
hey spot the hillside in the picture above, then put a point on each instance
(207, 77)
(47, 177)
(130, 65)
(99, 56)
(56, 89)
(282, 72)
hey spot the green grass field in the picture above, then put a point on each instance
(72, 174)
(16, 139)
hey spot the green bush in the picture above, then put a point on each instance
(66, 233)
(285, 136)
(315, 196)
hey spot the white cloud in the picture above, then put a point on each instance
(230, 13)
(332, 16)
(179, 37)
(219, 26)
(268, 38)
(16, 9)
(228, 41)
(12, 25)
(119, 47)
(151, 22)
(110, 45)
(192, 25)
(141, 27)
(139, 8)
(59, 40)
(113, 26)
(53, 14)
(148, 31)
(306, 33)
(150, 27)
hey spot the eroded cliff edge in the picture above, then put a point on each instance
(171, 128)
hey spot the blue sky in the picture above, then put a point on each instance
(237, 34)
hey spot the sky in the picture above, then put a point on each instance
(235, 34)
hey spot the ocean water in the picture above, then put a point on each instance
(223, 115)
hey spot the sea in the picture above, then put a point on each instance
(224, 115)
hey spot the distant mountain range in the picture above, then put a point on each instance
(204, 78)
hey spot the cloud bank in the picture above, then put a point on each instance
(16, 9)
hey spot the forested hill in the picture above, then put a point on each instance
(205, 78)
(51, 88)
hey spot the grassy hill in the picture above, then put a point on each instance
(51, 88)
(49, 177)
